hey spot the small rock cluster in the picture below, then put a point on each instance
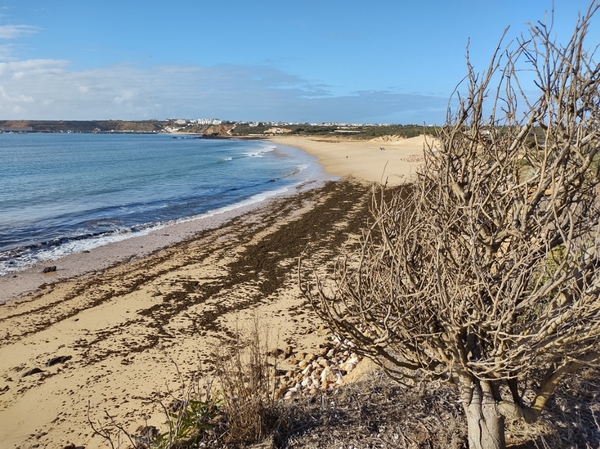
(312, 373)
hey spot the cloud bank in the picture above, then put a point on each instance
(48, 89)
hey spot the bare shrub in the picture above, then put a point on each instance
(486, 272)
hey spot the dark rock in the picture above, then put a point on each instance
(51, 269)
(40, 435)
(59, 359)
(32, 371)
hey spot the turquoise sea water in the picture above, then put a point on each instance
(64, 193)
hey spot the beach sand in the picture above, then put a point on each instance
(379, 160)
(128, 322)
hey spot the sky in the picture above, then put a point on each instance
(381, 61)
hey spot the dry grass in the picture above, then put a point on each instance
(379, 413)
(571, 418)
(247, 382)
(374, 413)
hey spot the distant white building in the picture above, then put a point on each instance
(209, 121)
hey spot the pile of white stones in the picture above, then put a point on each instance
(311, 373)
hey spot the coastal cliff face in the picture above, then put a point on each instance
(385, 133)
(142, 127)
(218, 129)
(210, 130)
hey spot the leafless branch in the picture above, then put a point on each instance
(486, 268)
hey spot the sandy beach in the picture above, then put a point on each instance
(384, 160)
(114, 331)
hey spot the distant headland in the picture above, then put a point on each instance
(215, 128)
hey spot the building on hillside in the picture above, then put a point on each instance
(209, 121)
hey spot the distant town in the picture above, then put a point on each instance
(213, 128)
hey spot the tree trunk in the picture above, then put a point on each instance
(485, 423)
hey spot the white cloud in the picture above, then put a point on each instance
(32, 68)
(13, 99)
(125, 96)
(6, 51)
(47, 89)
(16, 31)
(12, 32)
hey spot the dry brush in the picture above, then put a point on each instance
(485, 271)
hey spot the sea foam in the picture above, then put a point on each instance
(63, 194)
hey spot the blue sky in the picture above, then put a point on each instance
(382, 61)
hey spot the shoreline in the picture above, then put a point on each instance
(129, 331)
(391, 161)
(80, 264)
(337, 157)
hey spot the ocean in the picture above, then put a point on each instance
(66, 193)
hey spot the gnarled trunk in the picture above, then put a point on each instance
(484, 421)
